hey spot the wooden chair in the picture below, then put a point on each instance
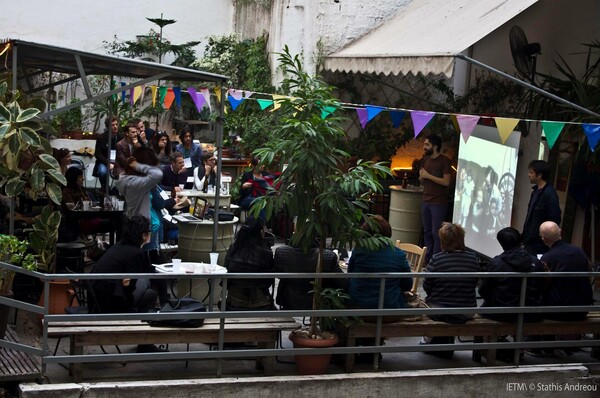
(416, 257)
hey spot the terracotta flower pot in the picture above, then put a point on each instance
(312, 364)
(61, 295)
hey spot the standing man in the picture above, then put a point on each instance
(435, 179)
(543, 206)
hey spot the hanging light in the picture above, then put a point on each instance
(51, 93)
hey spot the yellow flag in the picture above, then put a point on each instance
(505, 127)
(137, 91)
(277, 101)
(153, 88)
(217, 91)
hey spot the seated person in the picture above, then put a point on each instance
(249, 253)
(73, 194)
(450, 292)
(205, 175)
(162, 147)
(293, 294)
(125, 295)
(63, 157)
(254, 184)
(175, 174)
(365, 292)
(125, 147)
(505, 292)
(567, 291)
(189, 148)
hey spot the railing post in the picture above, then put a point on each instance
(520, 319)
(379, 322)
(222, 326)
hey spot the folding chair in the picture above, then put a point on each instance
(416, 257)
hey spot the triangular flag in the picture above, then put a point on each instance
(217, 91)
(248, 94)
(328, 110)
(113, 84)
(397, 117)
(206, 94)
(162, 92)
(137, 91)
(466, 124)
(277, 101)
(143, 87)
(198, 98)
(234, 102)
(373, 111)
(592, 131)
(153, 88)
(236, 94)
(169, 98)
(123, 92)
(177, 92)
(264, 103)
(505, 126)
(131, 96)
(552, 131)
(420, 120)
(455, 123)
(363, 116)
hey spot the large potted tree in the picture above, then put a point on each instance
(328, 199)
(28, 168)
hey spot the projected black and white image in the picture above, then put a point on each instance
(484, 190)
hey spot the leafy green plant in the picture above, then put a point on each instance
(334, 299)
(14, 251)
(327, 200)
(43, 237)
(71, 120)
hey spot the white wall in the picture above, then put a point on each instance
(83, 25)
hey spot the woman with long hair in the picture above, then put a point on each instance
(162, 147)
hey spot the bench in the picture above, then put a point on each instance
(264, 331)
(484, 330)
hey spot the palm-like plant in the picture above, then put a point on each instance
(328, 199)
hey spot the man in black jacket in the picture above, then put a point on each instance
(543, 206)
(505, 292)
(565, 291)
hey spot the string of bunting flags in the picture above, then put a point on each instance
(463, 123)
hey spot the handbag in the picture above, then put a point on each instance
(414, 300)
(181, 305)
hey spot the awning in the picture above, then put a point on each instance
(425, 36)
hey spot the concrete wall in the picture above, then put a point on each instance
(301, 24)
(83, 25)
(555, 381)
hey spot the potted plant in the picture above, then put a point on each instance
(27, 167)
(13, 251)
(327, 199)
(70, 123)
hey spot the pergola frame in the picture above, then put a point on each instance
(28, 59)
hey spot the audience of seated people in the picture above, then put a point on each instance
(450, 292)
(505, 292)
(188, 148)
(249, 253)
(365, 292)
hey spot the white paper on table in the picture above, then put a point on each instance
(164, 195)
(188, 163)
(190, 179)
(113, 155)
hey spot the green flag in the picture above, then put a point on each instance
(552, 131)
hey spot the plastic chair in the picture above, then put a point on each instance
(416, 257)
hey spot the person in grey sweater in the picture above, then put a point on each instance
(141, 175)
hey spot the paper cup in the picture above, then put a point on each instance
(176, 264)
(214, 257)
(85, 205)
(120, 205)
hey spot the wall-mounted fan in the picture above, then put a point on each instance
(524, 53)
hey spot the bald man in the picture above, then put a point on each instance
(566, 291)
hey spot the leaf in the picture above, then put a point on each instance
(37, 179)
(14, 186)
(48, 161)
(30, 136)
(4, 113)
(14, 144)
(3, 129)
(27, 114)
(57, 176)
(54, 192)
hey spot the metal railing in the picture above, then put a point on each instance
(220, 313)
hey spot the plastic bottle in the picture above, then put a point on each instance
(405, 181)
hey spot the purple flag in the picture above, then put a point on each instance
(363, 116)
(237, 94)
(397, 117)
(592, 131)
(420, 120)
(467, 124)
(373, 111)
(131, 96)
